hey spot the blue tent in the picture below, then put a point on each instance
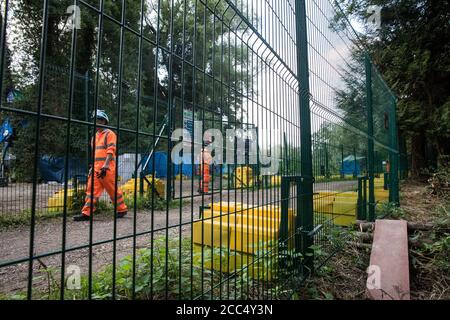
(52, 168)
(160, 165)
(352, 166)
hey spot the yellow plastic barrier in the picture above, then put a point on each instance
(56, 203)
(129, 188)
(226, 261)
(338, 208)
(245, 231)
(213, 233)
(243, 177)
(342, 208)
(276, 181)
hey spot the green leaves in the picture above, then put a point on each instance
(415, 61)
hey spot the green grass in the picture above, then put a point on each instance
(181, 281)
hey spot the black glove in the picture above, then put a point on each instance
(102, 173)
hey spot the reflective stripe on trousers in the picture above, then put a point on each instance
(100, 185)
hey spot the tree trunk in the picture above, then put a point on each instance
(418, 154)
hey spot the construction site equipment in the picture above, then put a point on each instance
(56, 202)
(243, 177)
(232, 235)
(344, 208)
(145, 182)
(144, 188)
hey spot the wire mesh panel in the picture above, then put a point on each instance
(339, 120)
(349, 113)
(182, 149)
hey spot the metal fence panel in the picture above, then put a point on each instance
(274, 92)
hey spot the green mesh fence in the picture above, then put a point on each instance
(309, 146)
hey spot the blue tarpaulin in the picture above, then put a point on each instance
(161, 165)
(352, 166)
(52, 168)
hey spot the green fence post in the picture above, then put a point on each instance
(365, 197)
(393, 174)
(360, 211)
(371, 148)
(305, 217)
(327, 164)
(284, 225)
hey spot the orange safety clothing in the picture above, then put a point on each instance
(105, 143)
(205, 163)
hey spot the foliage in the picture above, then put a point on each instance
(387, 210)
(173, 272)
(413, 58)
(187, 29)
(439, 183)
(343, 277)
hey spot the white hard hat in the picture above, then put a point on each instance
(101, 114)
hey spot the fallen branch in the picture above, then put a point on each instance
(365, 237)
(360, 245)
(365, 226)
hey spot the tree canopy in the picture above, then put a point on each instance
(188, 55)
(412, 53)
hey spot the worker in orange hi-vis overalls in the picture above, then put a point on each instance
(103, 174)
(205, 164)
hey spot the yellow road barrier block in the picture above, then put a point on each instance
(276, 181)
(341, 208)
(129, 187)
(263, 223)
(217, 216)
(249, 232)
(56, 203)
(381, 195)
(228, 207)
(213, 233)
(345, 208)
(224, 260)
(338, 219)
(243, 177)
(251, 239)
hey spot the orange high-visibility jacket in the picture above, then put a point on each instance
(105, 143)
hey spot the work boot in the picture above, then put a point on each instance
(81, 217)
(121, 215)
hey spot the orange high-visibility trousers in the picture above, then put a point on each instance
(108, 183)
(205, 178)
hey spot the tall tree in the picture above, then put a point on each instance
(412, 52)
(187, 53)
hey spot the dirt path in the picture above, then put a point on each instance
(48, 236)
